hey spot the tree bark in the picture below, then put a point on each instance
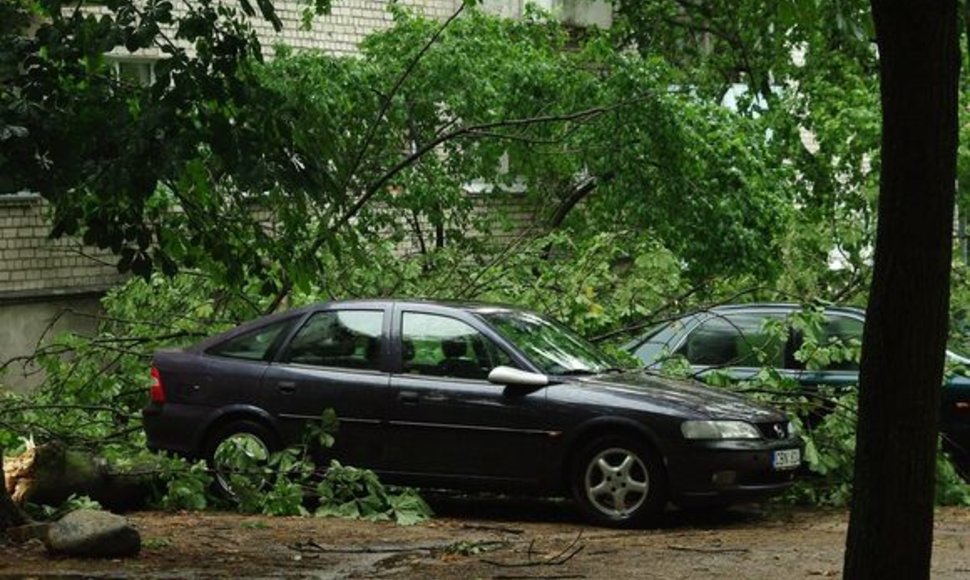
(891, 525)
(50, 473)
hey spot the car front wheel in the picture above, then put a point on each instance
(618, 482)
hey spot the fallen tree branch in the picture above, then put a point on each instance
(50, 473)
(464, 131)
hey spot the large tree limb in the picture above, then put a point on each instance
(389, 98)
(50, 473)
(462, 131)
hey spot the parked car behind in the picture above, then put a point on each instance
(470, 396)
(730, 339)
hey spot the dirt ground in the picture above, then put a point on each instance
(489, 539)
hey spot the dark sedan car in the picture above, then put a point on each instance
(471, 396)
(725, 338)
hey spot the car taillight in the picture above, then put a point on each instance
(157, 391)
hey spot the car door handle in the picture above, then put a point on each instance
(408, 397)
(286, 387)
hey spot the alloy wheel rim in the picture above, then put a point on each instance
(616, 482)
(239, 453)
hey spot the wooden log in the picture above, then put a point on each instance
(50, 473)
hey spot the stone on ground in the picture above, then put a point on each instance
(90, 533)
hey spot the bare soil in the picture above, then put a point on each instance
(489, 539)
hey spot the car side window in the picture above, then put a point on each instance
(843, 331)
(742, 340)
(445, 347)
(255, 345)
(348, 339)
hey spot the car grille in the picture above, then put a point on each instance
(776, 430)
(766, 477)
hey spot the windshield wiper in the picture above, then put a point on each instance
(585, 372)
(577, 372)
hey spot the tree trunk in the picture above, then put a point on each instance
(49, 474)
(10, 515)
(891, 526)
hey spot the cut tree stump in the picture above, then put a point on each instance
(50, 473)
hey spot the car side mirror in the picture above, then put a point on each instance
(508, 376)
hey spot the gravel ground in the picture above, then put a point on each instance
(489, 539)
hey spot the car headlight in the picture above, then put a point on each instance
(719, 430)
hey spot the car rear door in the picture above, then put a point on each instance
(335, 360)
(448, 423)
(740, 344)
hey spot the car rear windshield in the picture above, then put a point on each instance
(550, 346)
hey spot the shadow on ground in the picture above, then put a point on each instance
(560, 511)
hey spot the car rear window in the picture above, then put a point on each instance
(254, 345)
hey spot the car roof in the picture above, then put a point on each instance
(786, 306)
(468, 305)
(261, 321)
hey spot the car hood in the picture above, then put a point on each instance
(690, 396)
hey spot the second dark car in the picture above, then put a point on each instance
(471, 396)
(735, 339)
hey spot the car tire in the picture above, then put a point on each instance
(617, 481)
(249, 437)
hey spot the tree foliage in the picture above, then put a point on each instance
(232, 185)
(248, 170)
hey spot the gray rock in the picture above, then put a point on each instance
(93, 534)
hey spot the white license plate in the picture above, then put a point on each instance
(786, 458)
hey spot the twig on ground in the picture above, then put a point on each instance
(500, 529)
(567, 554)
(313, 547)
(542, 576)
(703, 550)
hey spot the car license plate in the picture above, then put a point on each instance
(786, 458)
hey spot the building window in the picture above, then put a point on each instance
(134, 71)
(581, 13)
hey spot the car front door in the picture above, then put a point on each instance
(840, 337)
(449, 424)
(334, 360)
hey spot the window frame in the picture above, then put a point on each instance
(283, 352)
(116, 61)
(472, 322)
(700, 321)
(271, 352)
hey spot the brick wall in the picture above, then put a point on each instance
(33, 265)
(341, 30)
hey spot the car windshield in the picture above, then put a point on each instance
(553, 348)
(958, 354)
